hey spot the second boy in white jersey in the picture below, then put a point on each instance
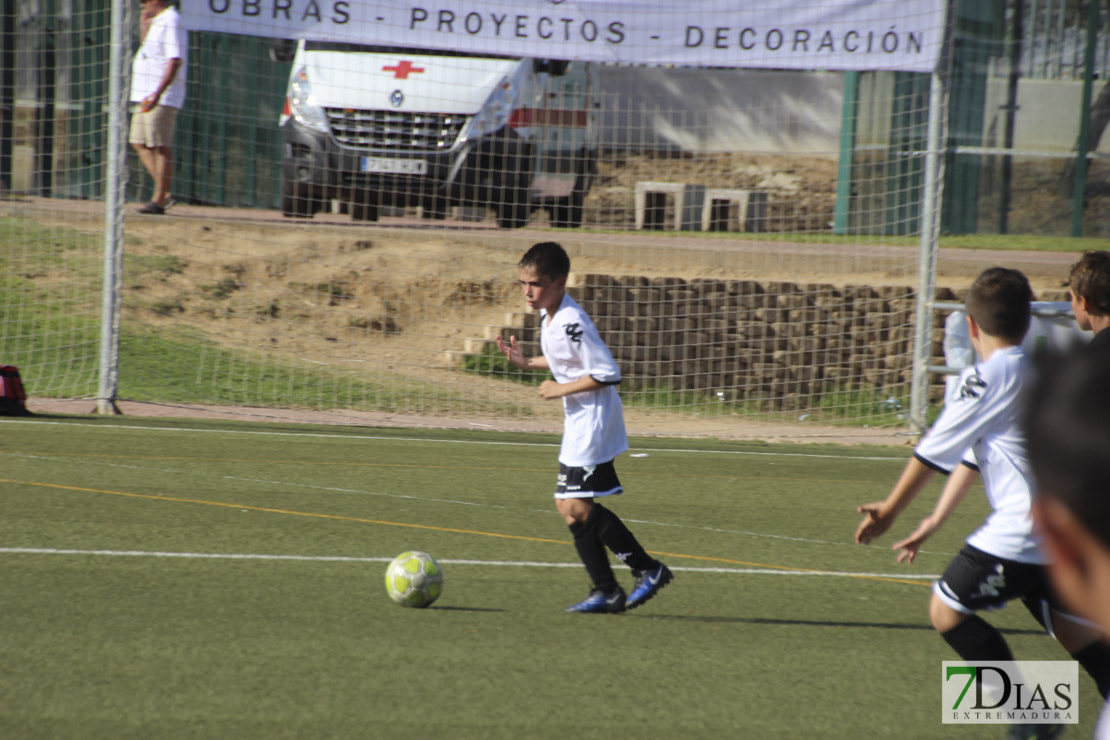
(979, 431)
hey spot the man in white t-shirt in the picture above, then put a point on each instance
(585, 378)
(158, 76)
(979, 432)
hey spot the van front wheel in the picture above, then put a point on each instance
(364, 206)
(512, 205)
(512, 216)
(298, 201)
(364, 211)
(567, 213)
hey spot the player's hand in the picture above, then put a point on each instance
(148, 103)
(512, 352)
(550, 390)
(874, 523)
(913, 543)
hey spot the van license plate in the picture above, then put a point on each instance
(394, 166)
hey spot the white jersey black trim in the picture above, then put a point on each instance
(981, 427)
(593, 429)
(932, 465)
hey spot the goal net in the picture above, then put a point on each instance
(739, 187)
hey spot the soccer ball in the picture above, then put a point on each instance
(414, 579)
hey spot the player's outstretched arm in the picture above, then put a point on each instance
(959, 483)
(512, 353)
(878, 516)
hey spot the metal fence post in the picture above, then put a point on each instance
(927, 263)
(1084, 122)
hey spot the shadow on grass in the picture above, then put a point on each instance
(814, 623)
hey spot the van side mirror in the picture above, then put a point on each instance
(554, 67)
(283, 50)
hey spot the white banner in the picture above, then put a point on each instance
(776, 34)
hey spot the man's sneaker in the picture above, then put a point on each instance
(600, 603)
(152, 209)
(648, 583)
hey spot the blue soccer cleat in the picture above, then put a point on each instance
(648, 583)
(600, 603)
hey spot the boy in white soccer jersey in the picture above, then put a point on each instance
(593, 435)
(1002, 560)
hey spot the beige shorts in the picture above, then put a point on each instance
(153, 128)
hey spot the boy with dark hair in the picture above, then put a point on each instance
(1002, 560)
(593, 435)
(1068, 428)
(1089, 286)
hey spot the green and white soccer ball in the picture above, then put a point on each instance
(414, 579)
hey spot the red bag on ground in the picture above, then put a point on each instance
(12, 396)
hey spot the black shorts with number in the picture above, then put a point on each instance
(976, 580)
(588, 481)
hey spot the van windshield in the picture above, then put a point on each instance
(364, 48)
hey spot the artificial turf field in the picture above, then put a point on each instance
(165, 579)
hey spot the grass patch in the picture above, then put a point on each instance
(166, 307)
(159, 266)
(190, 369)
(1024, 243)
(491, 363)
(47, 240)
(50, 313)
(837, 406)
(840, 406)
(222, 289)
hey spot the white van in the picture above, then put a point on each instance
(377, 126)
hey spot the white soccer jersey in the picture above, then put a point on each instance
(593, 431)
(165, 40)
(984, 414)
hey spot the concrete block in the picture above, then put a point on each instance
(734, 210)
(650, 201)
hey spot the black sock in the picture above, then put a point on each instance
(974, 639)
(1095, 659)
(615, 535)
(592, 553)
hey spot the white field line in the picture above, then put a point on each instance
(902, 459)
(490, 563)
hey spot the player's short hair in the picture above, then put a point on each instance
(1067, 431)
(1090, 279)
(1000, 302)
(548, 259)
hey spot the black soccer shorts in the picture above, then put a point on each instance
(588, 481)
(976, 580)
